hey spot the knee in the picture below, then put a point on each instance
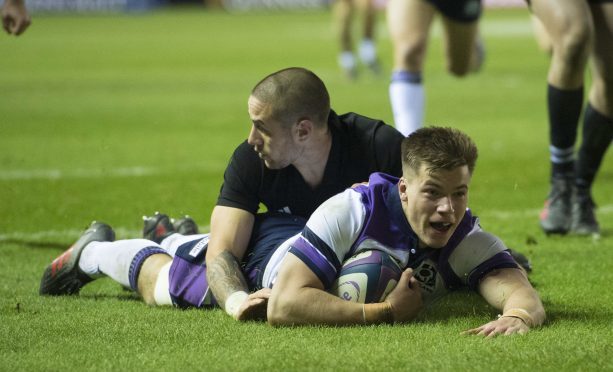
(601, 94)
(148, 276)
(412, 54)
(573, 46)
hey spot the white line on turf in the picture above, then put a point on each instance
(68, 234)
(527, 213)
(101, 172)
(125, 233)
(54, 174)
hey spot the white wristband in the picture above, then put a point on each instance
(234, 302)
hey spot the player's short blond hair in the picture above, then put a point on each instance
(438, 148)
(294, 94)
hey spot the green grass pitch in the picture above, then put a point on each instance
(109, 117)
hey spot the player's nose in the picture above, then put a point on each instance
(254, 138)
(445, 205)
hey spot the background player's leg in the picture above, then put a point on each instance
(569, 25)
(368, 47)
(409, 25)
(462, 48)
(343, 15)
(598, 121)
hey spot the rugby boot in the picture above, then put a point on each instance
(185, 226)
(555, 217)
(157, 227)
(63, 276)
(583, 217)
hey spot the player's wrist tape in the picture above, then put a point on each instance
(234, 302)
(519, 313)
(377, 313)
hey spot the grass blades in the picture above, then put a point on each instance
(109, 117)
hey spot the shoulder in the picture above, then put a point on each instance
(374, 142)
(475, 244)
(244, 163)
(337, 223)
(477, 254)
(244, 151)
(359, 124)
(341, 214)
(329, 235)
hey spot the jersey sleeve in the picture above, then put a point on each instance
(242, 180)
(330, 234)
(477, 255)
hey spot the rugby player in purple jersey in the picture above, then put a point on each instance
(420, 219)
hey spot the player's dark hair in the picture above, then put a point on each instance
(294, 94)
(438, 148)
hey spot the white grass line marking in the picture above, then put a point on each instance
(60, 235)
(69, 234)
(54, 174)
(126, 233)
(101, 172)
(507, 215)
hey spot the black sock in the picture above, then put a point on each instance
(564, 107)
(597, 136)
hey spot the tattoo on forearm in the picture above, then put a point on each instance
(225, 277)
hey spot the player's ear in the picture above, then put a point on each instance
(304, 127)
(402, 189)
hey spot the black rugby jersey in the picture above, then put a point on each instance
(360, 146)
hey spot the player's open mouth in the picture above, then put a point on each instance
(441, 226)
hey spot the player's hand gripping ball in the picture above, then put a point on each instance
(367, 277)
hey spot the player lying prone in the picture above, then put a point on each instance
(344, 266)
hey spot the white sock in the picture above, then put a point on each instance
(368, 51)
(408, 101)
(174, 241)
(114, 259)
(346, 60)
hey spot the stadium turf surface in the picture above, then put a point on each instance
(109, 117)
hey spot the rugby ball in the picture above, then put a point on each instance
(367, 277)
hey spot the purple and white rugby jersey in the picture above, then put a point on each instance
(371, 217)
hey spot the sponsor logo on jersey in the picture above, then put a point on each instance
(426, 275)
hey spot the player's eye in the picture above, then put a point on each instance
(460, 194)
(261, 129)
(432, 193)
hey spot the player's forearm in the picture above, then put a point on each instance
(311, 306)
(225, 277)
(525, 304)
(314, 306)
